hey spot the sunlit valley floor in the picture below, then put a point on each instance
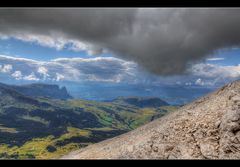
(40, 121)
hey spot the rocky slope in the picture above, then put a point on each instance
(208, 128)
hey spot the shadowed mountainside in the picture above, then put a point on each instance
(42, 128)
(40, 90)
(141, 101)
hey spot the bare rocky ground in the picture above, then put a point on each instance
(208, 128)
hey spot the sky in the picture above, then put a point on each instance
(149, 47)
(29, 61)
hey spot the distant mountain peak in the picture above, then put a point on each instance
(208, 128)
(141, 101)
(41, 90)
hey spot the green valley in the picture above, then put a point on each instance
(42, 127)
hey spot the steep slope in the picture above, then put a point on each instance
(208, 128)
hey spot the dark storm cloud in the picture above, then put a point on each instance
(164, 41)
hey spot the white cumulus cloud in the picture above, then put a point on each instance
(17, 75)
(43, 71)
(110, 69)
(31, 77)
(199, 82)
(59, 77)
(103, 69)
(6, 68)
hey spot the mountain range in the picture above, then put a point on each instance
(141, 102)
(40, 90)
(41, 121)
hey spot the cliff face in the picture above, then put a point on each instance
(208, 128)
(40, 90)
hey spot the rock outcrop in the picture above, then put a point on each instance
(208, 128)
